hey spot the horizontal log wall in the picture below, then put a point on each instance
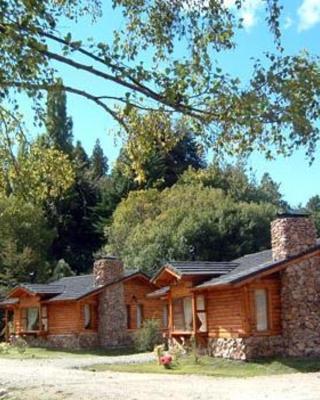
(225, 313)
(65, 317)
(135, 291)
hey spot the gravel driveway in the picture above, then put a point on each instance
(59, 379)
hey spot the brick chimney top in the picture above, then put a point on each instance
(291, 234)
(107, 269)
(293, 214)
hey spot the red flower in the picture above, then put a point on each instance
(166, 359)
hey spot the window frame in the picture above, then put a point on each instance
(165, 316)
(139, 315)
(181, 300)
(89, 326)
(201, 311)
(128, 316)
(268, 311)
(24, 319)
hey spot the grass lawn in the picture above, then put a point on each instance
(219, 367)
(41, 353)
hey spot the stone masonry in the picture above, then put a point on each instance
(300, 293)
(71, 341)
(246, 348)
(112, 327)
(301, 308)
(291, 236)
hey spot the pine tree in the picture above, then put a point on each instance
(58, 124)
(99, 162)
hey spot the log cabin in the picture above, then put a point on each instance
(101, 309)
(261, 304)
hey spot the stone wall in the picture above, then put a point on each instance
(301, 308)
(246, 348)
(112, 327)
(291, 236)
(72, 341)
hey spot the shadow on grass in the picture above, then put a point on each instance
(217, 367)
(123, 351)
(303, 365)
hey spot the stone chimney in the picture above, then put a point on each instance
(112, 325)
(106, 270)
(291, 234)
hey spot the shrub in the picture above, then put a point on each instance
(148, 336)
(4, 348)
(19, 343)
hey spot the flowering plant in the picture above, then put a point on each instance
(166, 360)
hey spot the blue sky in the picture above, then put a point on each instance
(300, 23)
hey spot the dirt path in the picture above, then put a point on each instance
(59, 379)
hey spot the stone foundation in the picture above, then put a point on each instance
(301, 308)
(246, 348)
(72, 341)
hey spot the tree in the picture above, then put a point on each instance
(25, 239)
(279, 106)
(235, 181)
(58, 124)
(61, 270)
(151, 227)
(29, 170)
(80, 156)
(313, 203)
(98, 161)
(313, 206)
(160, 167)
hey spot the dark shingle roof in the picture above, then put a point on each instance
(73, 287)
(201, 267)
(252, 264)
(245, 265)
(70, 288)
(54, 288)
(76, 287)
(7, 302)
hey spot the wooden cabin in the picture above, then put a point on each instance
(200, 307)
(262, 304)
(65, 313)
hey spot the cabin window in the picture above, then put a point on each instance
(261, 309)
(31, 320)
(182, 314)
(201, 322)
(87, 314)
(44, 318)
(165, 316)
(129, 324)
(139, 315)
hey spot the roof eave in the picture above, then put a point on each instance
(268, 270)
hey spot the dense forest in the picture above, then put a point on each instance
(60, 207)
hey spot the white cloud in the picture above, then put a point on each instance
(248, 12)
(309, 14)
(288, 22)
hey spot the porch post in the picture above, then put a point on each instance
(170, 315)
(194, 314)
(6, 325)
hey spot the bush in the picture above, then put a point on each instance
(4, 348)
(19, 343)
(148, 336)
